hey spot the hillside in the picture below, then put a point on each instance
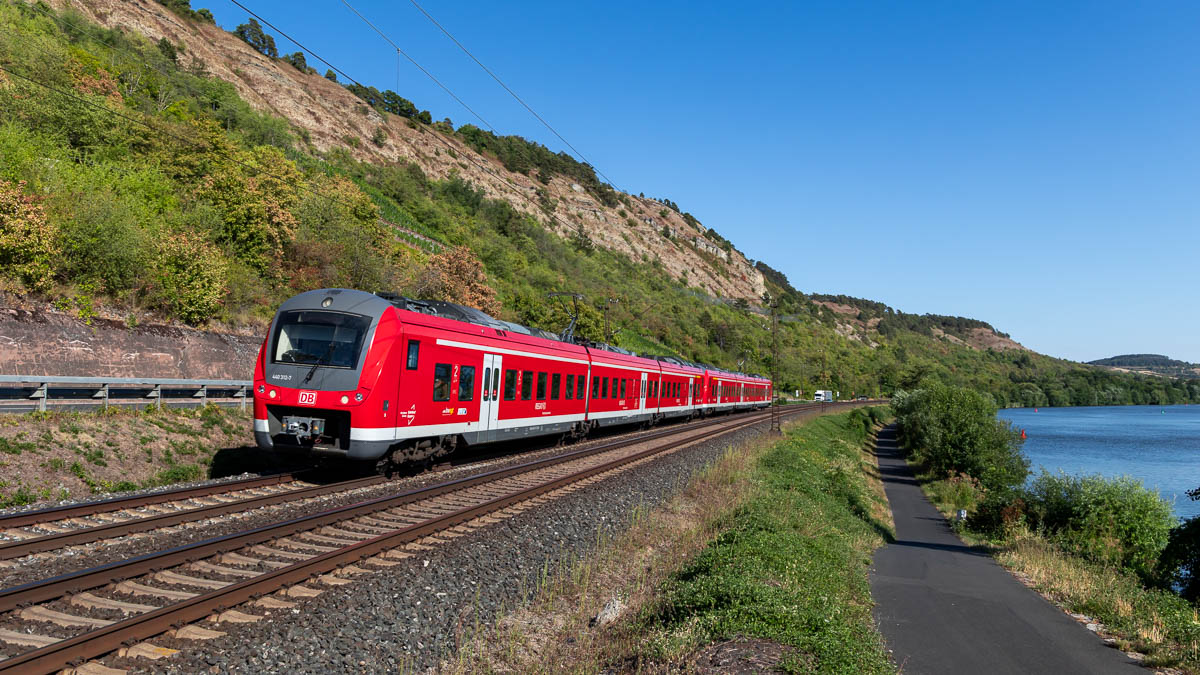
(325, 116)
(157, 168)
(1149, 364)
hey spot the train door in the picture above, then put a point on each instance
(642, 398)
(489, 404)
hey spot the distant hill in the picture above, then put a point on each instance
(1149, 364)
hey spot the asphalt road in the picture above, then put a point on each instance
(944, 608)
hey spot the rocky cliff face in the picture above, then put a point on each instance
(44, 342)
(328, 116)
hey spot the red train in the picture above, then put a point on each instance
(381, 377)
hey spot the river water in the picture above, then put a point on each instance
(1158, 444)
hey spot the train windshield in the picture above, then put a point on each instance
(320, 338)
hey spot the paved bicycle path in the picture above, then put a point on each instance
(944, 608)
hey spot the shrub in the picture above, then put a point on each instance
(189, 277)
(255, 201)
(998, 515)
(1117, 521)
(100, 239)
(457, 275)
(28, 242)
(1179, 564)
(954, 429)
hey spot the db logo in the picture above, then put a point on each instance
(308, 398)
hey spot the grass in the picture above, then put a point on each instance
(790, 565)
(770, 543)
(117, 450)
(11, 446)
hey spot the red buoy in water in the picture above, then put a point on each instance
(1023, 434)
(1035, 410)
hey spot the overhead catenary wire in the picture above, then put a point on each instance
(522, 192)
(398, 50)
(332, 67)
(519, 190)
(511, 92)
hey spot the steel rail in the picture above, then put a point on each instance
(103, 640)
(50, 542)
(26, 518)
(73, 582)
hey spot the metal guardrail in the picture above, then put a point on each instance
(29, 390)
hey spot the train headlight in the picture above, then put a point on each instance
(345, 399)
(358, 397)
(272, 394)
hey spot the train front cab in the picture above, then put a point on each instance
(320, 383)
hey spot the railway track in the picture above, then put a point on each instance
(51, 529)
(31, 532)
(51, 624)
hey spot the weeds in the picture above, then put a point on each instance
(12, 446)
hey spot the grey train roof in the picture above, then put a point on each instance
(450, 310)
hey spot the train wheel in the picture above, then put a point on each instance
(385, 467)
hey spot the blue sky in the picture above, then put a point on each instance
(1030, 164)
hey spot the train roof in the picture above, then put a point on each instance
(456, 312)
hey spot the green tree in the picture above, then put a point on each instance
(253, 35)
(297, 60)
(954, 429)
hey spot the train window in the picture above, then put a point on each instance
(510, 385)
(555, 385)
(487, 380)
(414, 351)
(441, 382)
(319, 338)
(595, 387)
(466, 383)
(622, 387)
(570, 386)
(604, 388)
(580, 387)
(496, 384)
(541, 392)
(526, 385)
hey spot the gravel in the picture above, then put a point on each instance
(63, 561)
(413, 615)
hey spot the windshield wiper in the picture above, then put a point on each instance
(311, 371)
